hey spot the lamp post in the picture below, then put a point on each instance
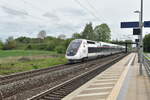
(140, 36)
(137, 11)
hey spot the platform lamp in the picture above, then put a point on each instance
(140, 44)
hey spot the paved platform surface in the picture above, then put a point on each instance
(106, 85)
(119, 82)
(139, 86)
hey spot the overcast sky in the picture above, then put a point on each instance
(28, 17)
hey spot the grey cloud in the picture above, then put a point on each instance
(11, 11)
(73, 11)
(68, 28)
(17, 27)
(51, 16)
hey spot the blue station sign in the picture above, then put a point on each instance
(146, 23)
(129, 24)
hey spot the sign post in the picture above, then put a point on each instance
(146, 23)
(129, 24)
(141, 38)
(139, 25)
(136, 31)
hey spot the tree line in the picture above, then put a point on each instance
(25, 43)
(146, 43)
(59, 44)
(99, 33)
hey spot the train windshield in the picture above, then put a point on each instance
(73, 47)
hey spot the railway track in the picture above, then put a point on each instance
(23, 75)
(29, 74)
(63, 89)
(52, 76)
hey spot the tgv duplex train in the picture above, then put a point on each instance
(81, 49)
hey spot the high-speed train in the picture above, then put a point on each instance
(81, 49)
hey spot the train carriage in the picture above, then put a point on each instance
(80, 49)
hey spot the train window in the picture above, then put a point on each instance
(92, 50)
(99, 49)
(90, 42)
(73, 48)
(75, 44)
(102, 49)
(106, 45)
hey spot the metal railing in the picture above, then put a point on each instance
(146, 62)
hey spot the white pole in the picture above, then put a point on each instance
(141, 40)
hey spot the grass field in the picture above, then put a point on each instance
(10, 53)
(21, 60)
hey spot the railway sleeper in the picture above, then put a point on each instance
(69, 88)
(55, 96)
(61, 92)
(65, 91)
(56, 93)
(47, 97)
(50, 98)
(41, 99)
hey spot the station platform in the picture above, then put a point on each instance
(119, 82)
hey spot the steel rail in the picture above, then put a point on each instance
(63, 89)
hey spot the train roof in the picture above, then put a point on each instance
(104, 43)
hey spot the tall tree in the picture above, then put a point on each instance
(1, 45)
(88, 32)
(42, 34)
(146, 42)
(23, 40)
(62, 36)
(102, 33)
(10, 43)
(76, 36)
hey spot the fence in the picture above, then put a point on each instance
(146, 62)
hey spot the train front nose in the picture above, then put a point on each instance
(71, 52)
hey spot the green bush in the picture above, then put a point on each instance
(60, 49)
(42, 46)
(37, 46)
(10, 44)
(146, 42)
(1, 45)
(51, 46)
(29, 47)
(26, 43)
